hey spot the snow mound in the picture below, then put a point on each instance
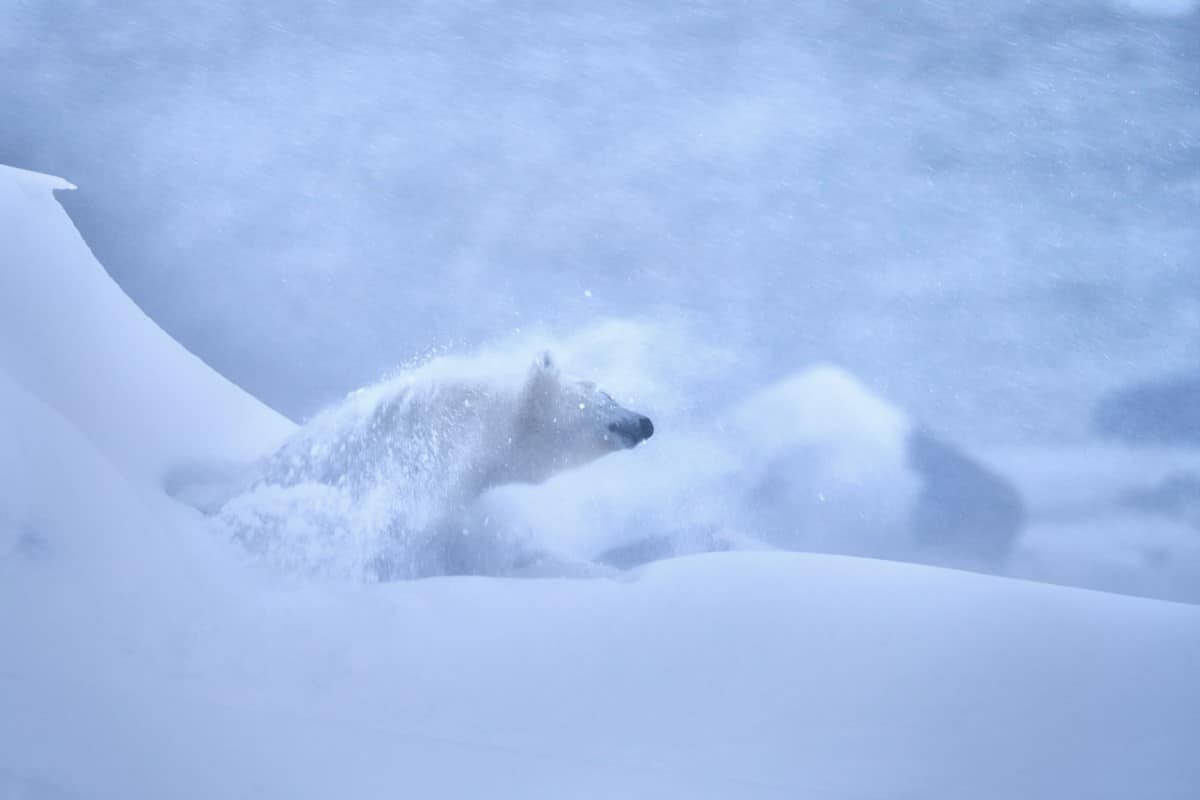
(69, 335)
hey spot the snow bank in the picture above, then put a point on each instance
(732, 675)
(69, 335)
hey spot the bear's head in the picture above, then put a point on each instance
(563, 423)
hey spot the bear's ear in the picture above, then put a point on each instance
(540, 391)
(544, 362)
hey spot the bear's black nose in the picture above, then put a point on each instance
(633, 429)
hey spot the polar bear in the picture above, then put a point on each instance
(380, 484)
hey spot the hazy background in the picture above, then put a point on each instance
(987, 210)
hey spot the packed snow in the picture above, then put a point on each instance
(146, 653)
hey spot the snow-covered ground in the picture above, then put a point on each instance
(143, 656)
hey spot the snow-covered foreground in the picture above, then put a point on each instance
(735, 675)
(140, 656)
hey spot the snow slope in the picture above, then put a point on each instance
(72, 337)
(141, 657)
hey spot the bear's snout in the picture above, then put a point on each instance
(633, 430)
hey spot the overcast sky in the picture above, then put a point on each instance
(986, 210)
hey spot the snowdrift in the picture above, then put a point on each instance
(73, 338)
(143, 657)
